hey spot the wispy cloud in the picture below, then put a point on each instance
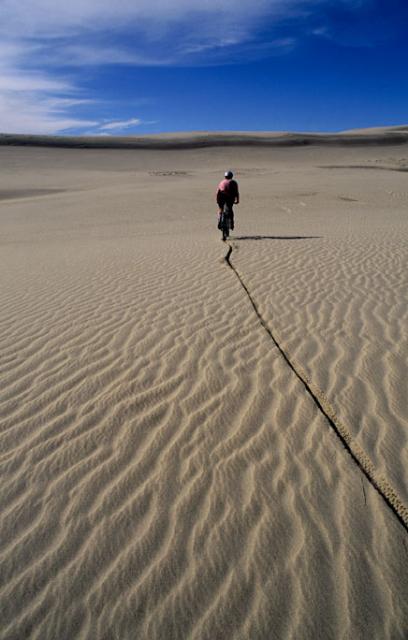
(31, 113)
(94, 54)
(33, 100)
(30, 82)
(58, 19)
(142, 32)
(120, 125)
(44, 42)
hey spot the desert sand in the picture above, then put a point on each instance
(165, 473)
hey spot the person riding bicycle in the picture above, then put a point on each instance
(227, 193)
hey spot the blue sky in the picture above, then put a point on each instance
(107, 67)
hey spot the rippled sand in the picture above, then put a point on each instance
(164, 473)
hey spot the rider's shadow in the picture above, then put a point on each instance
(275, 237)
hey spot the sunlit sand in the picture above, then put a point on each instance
(164, 472)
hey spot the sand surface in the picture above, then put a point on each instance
(164, 472)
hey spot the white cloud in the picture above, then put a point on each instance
(51, 18)
(26, 82)
(39, 37)
(82, 54)
(37, 115)
(36, 102)
(87, 32)
(120, 125)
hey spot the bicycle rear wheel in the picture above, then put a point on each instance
(225, 222)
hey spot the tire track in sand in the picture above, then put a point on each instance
(359, 456)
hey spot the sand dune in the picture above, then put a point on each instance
(201, 139)
(164, 472)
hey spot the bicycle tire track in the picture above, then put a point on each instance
(358, 455)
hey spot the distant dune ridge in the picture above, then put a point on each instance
(164, 472)
(196, 140)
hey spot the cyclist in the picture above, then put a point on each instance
(227, 193)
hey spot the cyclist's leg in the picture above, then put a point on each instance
(231, 217)
(220, 202)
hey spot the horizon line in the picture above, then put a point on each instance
(396, 134)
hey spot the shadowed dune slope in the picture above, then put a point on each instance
(195, 140)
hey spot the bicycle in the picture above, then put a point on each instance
(224, 223)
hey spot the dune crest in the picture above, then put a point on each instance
(205, 139)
